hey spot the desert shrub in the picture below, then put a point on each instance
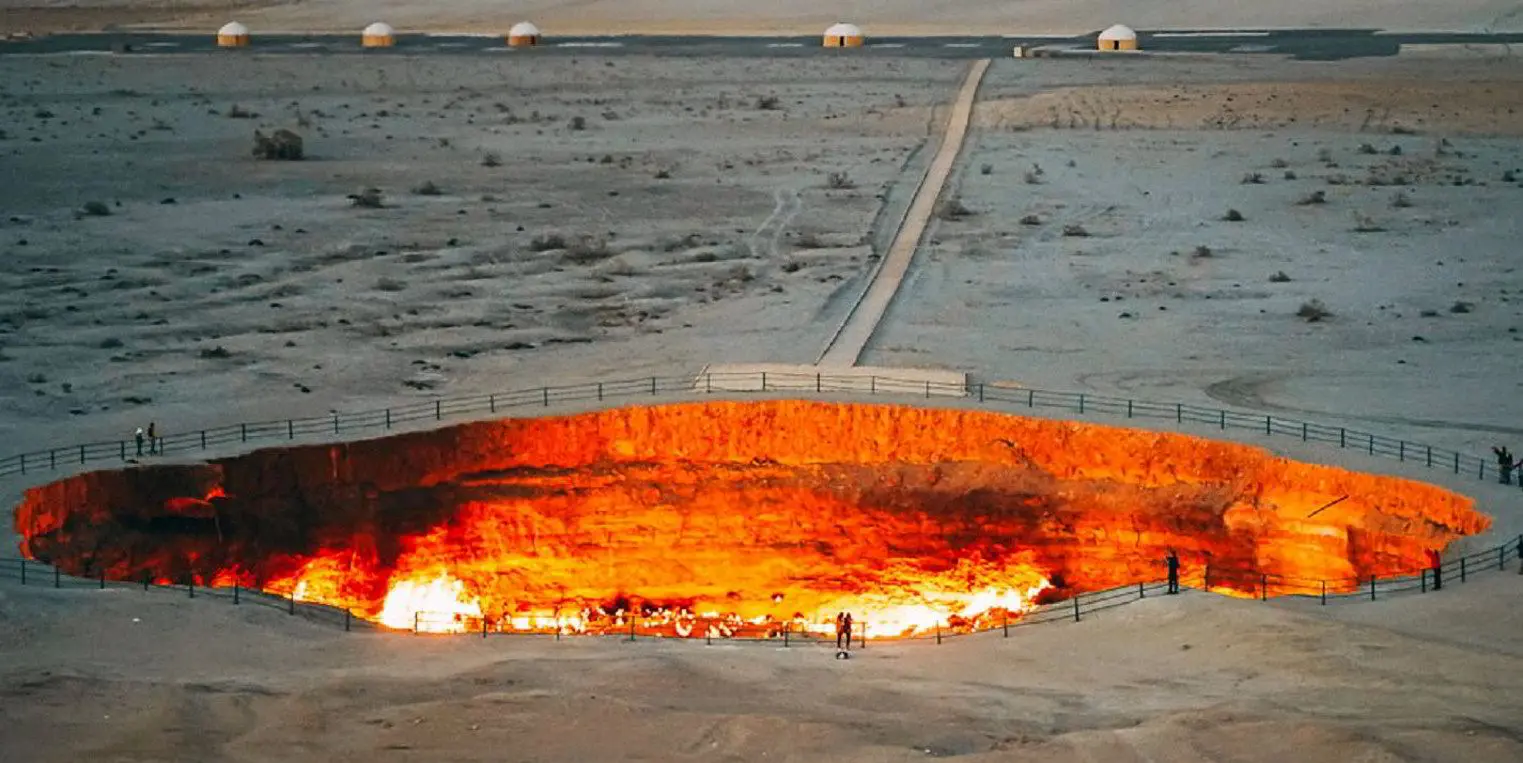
(238, 112)
(547, 242)
(428, 189)
(1279, 164)
(390, 284)
(1253, 178)
(491, 160)
(578, 123)
(1315, 197)
(1367, 149)
(1313, 310)
(370, 198)
(1279, 277)
(1233, 216)
(1290, 174)
(839, 180)
(1202, 251)
(1031, 220)
(953, 209)
(1074, 230)
(1033, 178)
(282, 145)
(768, 103)
(1401, 201)
(585, 250)
(1461, 307)
(1324, 155)
(987, 169)
(664, 173)
(95, 209)
(215, 352)
(1366, 224)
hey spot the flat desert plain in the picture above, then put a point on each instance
(554, 219)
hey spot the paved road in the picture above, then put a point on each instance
(845, 348)
(1309, 44)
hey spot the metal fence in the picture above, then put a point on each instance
(733, 385)
(1243, 582)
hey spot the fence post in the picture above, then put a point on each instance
(1005, 622)
(600, 390)
(1372, 588)
(483, 628)
(203, 439)
(1430, 456)
(1128, 409)
(1142, 591)
(346, 620)
(1303, 431)
(235, 594)
(1224, 419)
(764, 381)
(291, 603)
(23, 458)
(122, 443)
(438, 410)
(492, 403)
(708, 382)
(1081, 403)
(415, 622)
(290, 429)
(817, 376)
(147, 579)
(862, 640)
(1179, 413)
(190, 588)
(1342, 437)
(335, 422)
(82, 453)
(1263, 586)
(1502, 557)
(1372, 444)
(57, 578)
(242, 428)
(103, 580)
(785, 635)
(1030, 398)
(544, 395)
(980, 392)
(872, 384)
(1456, 462)
(631, 628)
(1206, 578)
(938, 633)
(1269, 425)
(52, 459)
(1076, 608)
(1480, 473)
(1401, 450)
(388, 418)
(928, 390)
(1462, 569)
(1324, 593)
(653, 385)
(1423, 575)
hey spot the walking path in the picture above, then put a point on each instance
(851, 337)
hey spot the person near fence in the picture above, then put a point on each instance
(138, 435)
(1173, 561)
(1436, 568)
(153, 437)
(1505, 464)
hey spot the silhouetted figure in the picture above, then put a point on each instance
(139, 436)
(1173, 561)
(1436, 565)
(153, 437)
(846, 629)
(840, 627)
(1505, 464)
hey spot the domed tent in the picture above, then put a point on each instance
(232, 35)
(843, 35)
(523, 35)
(378, 35)
(1118, 37)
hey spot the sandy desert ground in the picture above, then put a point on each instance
(697, 222)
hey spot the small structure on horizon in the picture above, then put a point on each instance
(232, 35)
(378, 35)
(843, 35)
(523, 35)
(1118, 37)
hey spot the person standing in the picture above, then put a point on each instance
(840, 627)
(153, 438)
(1173, 561)
(846, 630)
(1505, 464)
(1436, 565)
(138, 435)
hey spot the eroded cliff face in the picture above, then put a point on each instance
(764, 509)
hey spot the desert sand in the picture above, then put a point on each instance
(627, 216)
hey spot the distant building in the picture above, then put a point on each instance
(232, 35)
(843, 35)
(523, 35)
(378, 35)
(1118, 37)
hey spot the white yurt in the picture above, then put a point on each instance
(843, 35)
(232, 35)
(378, 35)
(1118, 37)
(523, 35)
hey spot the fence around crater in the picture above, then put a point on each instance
(1240, 582)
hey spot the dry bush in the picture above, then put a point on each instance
(1401, 201)
(665, 173)
(1279, 277)
(1290, 174)
(282, 145)
(1031, 220)
(238, 112)
(1315, 197)
(1202, 251)
(585, 250)
(1367, 149)
(809, 241)
(953, 209)
(1313, 310)
(1279, 164)
(1033, 178)
(390, 284)
(839, 181)
(1325, 155)
(1461, 307)
(987, 169)
(1075, 231)
(1253, 178)
(1365, 224)
(428, 189)
(491, 160)
(370, 198)
(768, 103)
(1233, 216)
(95, 209)
(578, 123)
(547, 242)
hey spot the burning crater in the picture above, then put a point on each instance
(730, 517)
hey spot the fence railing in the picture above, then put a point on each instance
(1237, 581)
(733, 385)
(730, 385)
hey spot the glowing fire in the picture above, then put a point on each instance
(439, 605)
